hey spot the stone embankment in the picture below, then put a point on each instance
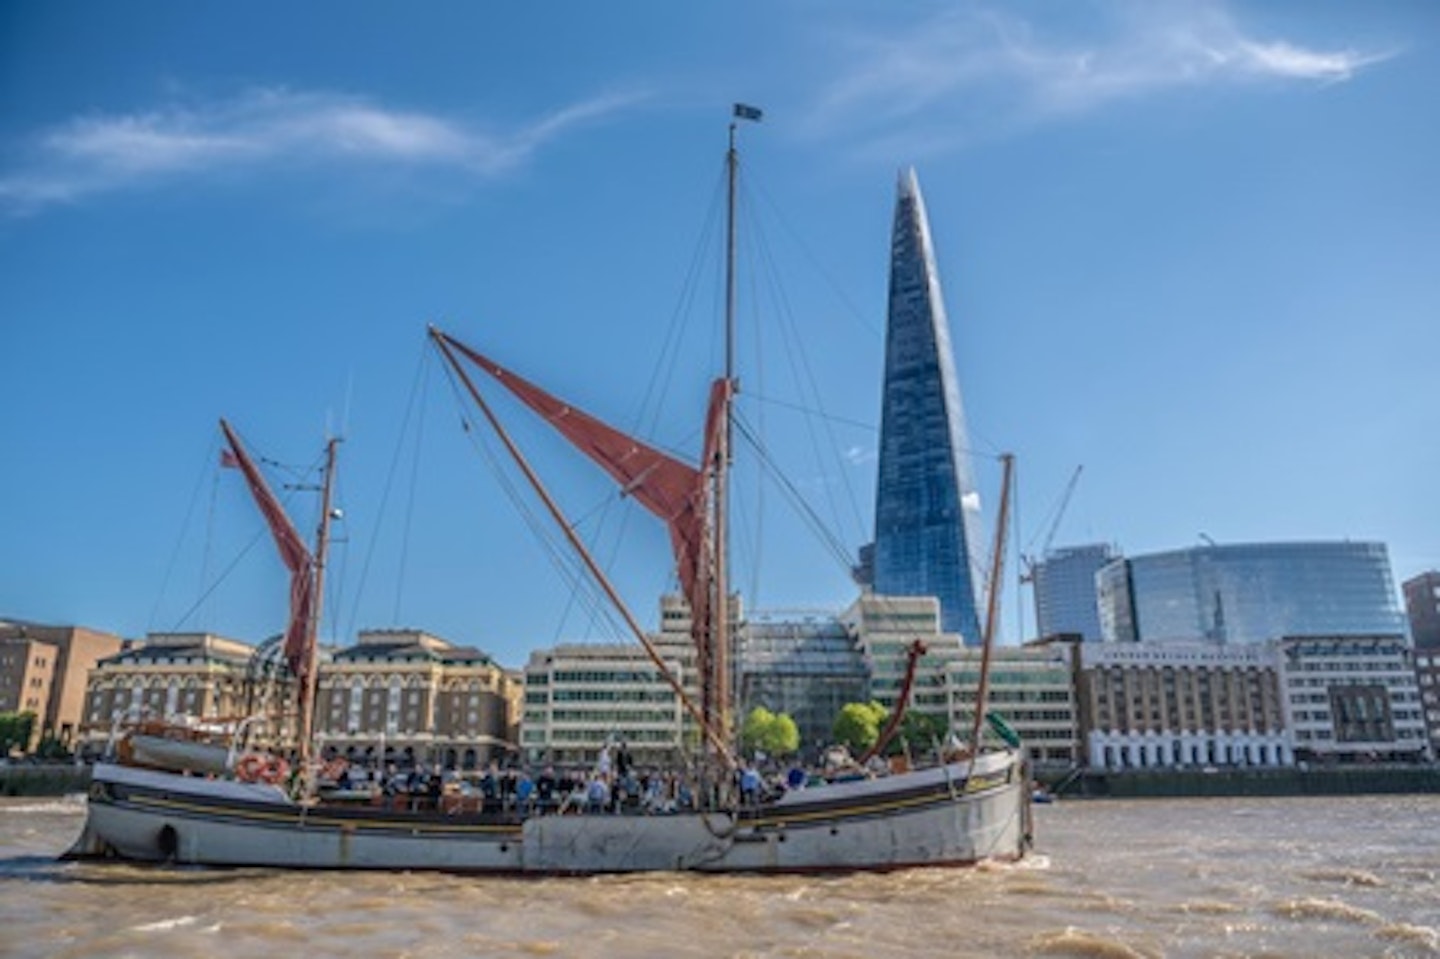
(1314, 781)
(43, 779)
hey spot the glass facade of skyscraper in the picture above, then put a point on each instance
(926, 509)
(1251, 593)
(1064, 584)
(807, 667)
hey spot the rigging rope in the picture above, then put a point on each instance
(836, 548)
(205, 470)
(421, 368)
(566, 566)
(259, 534)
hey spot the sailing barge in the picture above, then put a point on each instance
(971, 806)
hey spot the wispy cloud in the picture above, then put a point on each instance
(269, 128)
(976, 72)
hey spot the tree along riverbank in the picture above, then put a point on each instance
(43, 779)
(1311, 781)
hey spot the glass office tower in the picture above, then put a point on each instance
(1064, 585)
(926, 509)
(1250, 593)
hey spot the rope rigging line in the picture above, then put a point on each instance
(205, 470)
(818, 414)
(566, 566)
(225, 573)
(837, 549)
(662, 374)
(804, 376)
(416, 391)
(855, 313)
(407, 525)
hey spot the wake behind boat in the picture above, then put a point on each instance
(162, 797)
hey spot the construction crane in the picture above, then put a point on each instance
(1030, 560)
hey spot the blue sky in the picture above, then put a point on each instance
(1192, 246)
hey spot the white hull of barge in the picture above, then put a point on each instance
(939, 816)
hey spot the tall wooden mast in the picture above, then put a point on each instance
(992, 612)
(719, 681)
(311, 676)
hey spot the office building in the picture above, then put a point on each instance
(1353, 698)
(404, 695)
(43, 670)
(1422, 608)
(1249, 593)
(1178, 705)
(1031, 688)
(1065, 591)
(884, 628)
(580, 696)
(1427, 676)
(806, 665)
(927, 530)
(172, 676)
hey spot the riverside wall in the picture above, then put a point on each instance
(1293, 781)
(43, 779)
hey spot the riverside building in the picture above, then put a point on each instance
(1249, 593)
(1032, 689)
(395, 695)
(1065, 594)
(198, 676)
(1178, 705)
(1427, 678)
(806, 665)
(883, 629)
(580, 696)
(1422, 608)
(405, 695)
(926, 509)
(43, 671)
(1353, 699)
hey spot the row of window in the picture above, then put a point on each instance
(613, 677)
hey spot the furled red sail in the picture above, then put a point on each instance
(293, 553)
(670, 488)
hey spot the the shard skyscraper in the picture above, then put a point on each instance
(927, 512)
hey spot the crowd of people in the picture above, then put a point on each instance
(614, 784)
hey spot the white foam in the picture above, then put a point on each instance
(165, 925)
(67, 807)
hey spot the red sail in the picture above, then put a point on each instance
(670, 488)
(293, 552)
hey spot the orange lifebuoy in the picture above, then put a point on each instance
(258, 768)
(275, 770)
(250, 768)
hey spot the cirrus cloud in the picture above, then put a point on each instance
(972, 73)
(268, 128)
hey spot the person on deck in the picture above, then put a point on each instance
(545, 790)
(524, 793)
(597, 795)
(750, 784)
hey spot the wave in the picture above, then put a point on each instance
(165, 925)
(1403, 932)
(1075, 942)
(1209, 907)
(1324, 909)
(1349, 877)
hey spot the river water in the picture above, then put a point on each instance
(1298, 877)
